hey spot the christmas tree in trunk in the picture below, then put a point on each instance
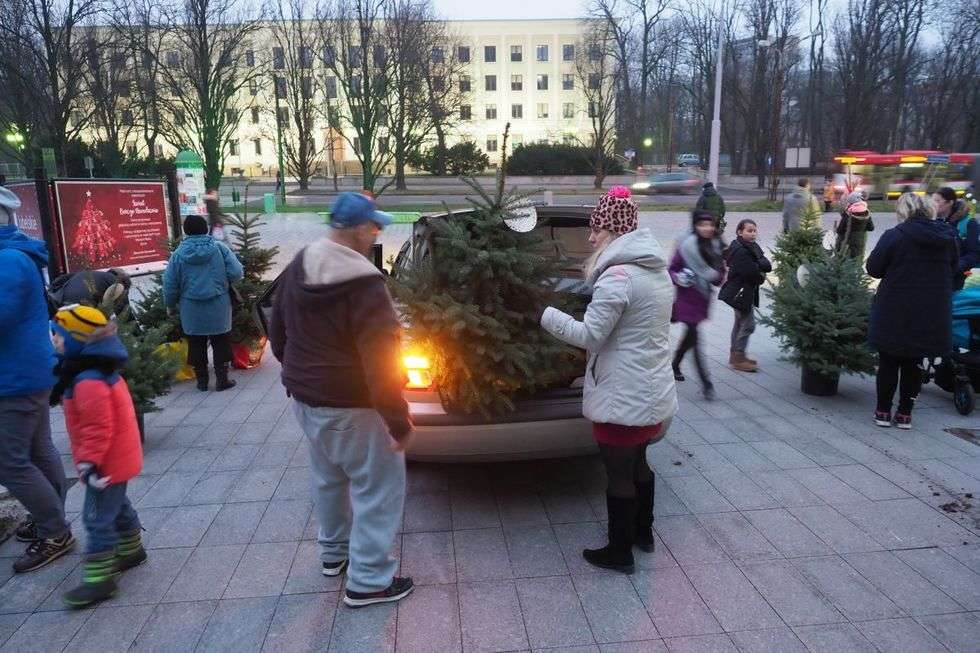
(474, 302)
(94, 246)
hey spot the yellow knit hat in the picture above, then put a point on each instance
(80, 321)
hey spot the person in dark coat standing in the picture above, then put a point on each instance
(711, 201)
(696, 266)
(747, 269)
(956, 214)
(853, 227)
(911, 315)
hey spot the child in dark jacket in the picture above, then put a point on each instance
(105, 445)
(747, 269)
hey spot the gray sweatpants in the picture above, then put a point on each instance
(358, 490)
(742, 328)
(30, 466)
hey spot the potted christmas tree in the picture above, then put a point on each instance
(247, 337)
(474, 308)
(819, 311)
(150, 369)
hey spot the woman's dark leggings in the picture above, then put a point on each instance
(625, 467)
(690, 342)
(197, 349)
(887, 380)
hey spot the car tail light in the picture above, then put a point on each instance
(419, 371)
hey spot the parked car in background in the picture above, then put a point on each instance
(669, 182)
(689, 160)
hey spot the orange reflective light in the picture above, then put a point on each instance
(418, 369)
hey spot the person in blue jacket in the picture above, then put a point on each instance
(197, 283)
(30, 466)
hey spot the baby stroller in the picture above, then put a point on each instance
(959, 372)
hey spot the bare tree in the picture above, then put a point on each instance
(595, 75)
(297, 88)
(48, 68)
(109, 96)
(204, 71)
(350, 30)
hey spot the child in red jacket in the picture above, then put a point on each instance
(105, 445)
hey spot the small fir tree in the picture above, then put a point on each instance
(150, 370)
(798, 246)
(474, 307)
(256, 261)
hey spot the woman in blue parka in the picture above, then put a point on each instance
(197, 282)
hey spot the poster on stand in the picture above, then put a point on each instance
(28, 216)
(113, 224)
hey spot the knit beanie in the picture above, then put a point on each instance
(195, 225)
(79, 325)
(615, 211)
(700, 215)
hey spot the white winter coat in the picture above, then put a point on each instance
(626, 331)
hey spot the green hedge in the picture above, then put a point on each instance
(555, 159)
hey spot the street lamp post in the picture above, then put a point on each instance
(713, 154)
(281, 172)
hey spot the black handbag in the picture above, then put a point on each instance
(735, 296)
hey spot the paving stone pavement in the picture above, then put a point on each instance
(784, 523)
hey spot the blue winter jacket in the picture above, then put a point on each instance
(197, 281)
(26, 354)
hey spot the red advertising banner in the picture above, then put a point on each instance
(28, 216)
(113, 224)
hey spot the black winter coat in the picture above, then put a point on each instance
(911, 315)
(747, 269)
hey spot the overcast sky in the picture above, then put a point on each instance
(509, 9)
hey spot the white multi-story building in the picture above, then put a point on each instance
(519, 71)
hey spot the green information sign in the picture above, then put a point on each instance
(50, 163)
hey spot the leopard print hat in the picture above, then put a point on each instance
(615, 211)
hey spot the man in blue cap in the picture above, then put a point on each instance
(335, 331)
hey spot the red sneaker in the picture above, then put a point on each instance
(883, 419)
(903, 421)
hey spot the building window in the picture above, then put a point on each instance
(306, 87)
(280, 88)
(491, 112)
(465, 86)
(127, 117)
(465, 112)
(516, 83)
(568, 110)
(491, 145)
(355, 85)
(354, 56)
(250, 58)
(463, 53)
(379, 56)
(253, 87)
(173, 59)
(542, 82)
(517, 53)
(255, 115)
(282, 116)
(490, 83)
(568, 82)
(230, 116)
(131, 149)
(233, 148)
(517, 111)
(490, 53)
(595, 53)
(383, 145)
(595, 81)
(330, 84)
(568, 52)
(568, 139)
(592, 110)
(258, 146)
(329, 55)
(278, 58)
(439, 84)
(179, 117)
(542, 53)
(438, 54)
(305, 57)
(542, 110)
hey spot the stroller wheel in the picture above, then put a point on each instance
(963, 398)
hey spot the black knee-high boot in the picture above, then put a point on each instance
(618, 554)
(644, 515)
(201, 372)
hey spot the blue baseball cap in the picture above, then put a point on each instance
(353, 209)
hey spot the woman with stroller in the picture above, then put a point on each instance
(697, 265)
(911, 315)
(629, 391)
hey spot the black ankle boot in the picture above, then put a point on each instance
(201, 372)
(222, 382)
(618, 554)
(644, 516)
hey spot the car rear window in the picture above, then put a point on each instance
(572, 244)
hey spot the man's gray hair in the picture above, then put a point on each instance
(910, 205)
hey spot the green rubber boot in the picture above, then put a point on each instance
(129, 551)
(99, 573)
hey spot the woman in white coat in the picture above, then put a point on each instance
(629, 390)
